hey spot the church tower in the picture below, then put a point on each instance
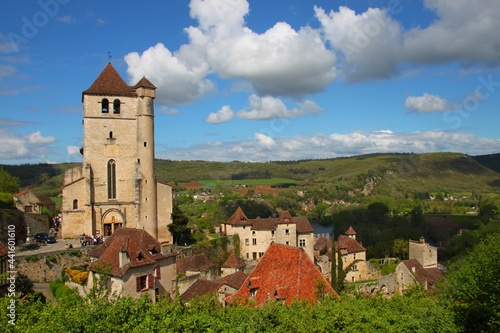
(116, 185)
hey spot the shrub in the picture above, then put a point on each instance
(77, 275)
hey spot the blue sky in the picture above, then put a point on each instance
(257, 80)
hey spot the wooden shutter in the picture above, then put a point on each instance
(138, 283)
(150, 281)
(158, 272)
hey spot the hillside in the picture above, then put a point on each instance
(385, 174)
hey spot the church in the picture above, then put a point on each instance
(116, 185)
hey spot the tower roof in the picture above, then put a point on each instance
(145, 83)
(109, 82)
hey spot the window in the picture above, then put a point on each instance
(111, 179)
(253, 232)
(116, 106)
(104, 105)
(354, 256)
(247, 241)
(272, 232)
(287, 232)
(253, 292)
(28, 209)
(75, 204)
(287, 243)
(145, 144)
(254, 241)
(141, 282)
(302, 242)
(111, 134)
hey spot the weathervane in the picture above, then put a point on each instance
(109, 56)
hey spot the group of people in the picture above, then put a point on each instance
(87, 240)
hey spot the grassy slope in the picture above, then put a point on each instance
(394, 173)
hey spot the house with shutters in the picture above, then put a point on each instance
(136, 262)
(28, 202)
(256, 235)
(284, 274)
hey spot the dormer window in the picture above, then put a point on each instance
(140, 257)
(105, 105)
(116, 106)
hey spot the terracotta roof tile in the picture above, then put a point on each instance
(283, 271)
(349, 245)
(4, 250)
(431, 275)
(109, 82)
(141, 248)
(233, 262)
(235, 280)
(196, 263)
(238, 218)
(145, 83)
(199, 288)
(350, 231)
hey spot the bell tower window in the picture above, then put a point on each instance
(116, 106)
(104, 105)
(111, 179)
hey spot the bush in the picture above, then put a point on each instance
(77, 275)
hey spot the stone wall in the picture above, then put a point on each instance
(36, 222)
(47, 267)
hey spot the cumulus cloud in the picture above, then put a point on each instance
(225, 114)
(31, 146)
(373, 44)
(427, 103)
(265, 148)
(73, 150)
(268, 107)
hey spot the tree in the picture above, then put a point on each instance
(473, 287)
(401, 248)
(179, 226)
(8, 183)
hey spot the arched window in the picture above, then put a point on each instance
(105, 105)
(111, 179)
(75, 204)
(116, 106)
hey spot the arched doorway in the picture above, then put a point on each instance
(112, 220)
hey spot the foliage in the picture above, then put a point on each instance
(473, 287)
(23, 284)
(77, 275)
(8, 183)
(179, 226)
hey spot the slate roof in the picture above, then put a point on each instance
(142, 249)
(196, 263)
(285, 273)
(240, 219)
(421, 274)
(109, 82)
(233, 262)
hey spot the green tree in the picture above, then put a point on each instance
(401, 248)
(179, 226)
(473, 287)
(8, 183)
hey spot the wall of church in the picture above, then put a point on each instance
(164, 207)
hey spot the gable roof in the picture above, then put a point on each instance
(348, 245)
(235, 280)
(196, 263)
(109, 82)
(200, 287)
(144, 83)
(421, 274)
(240, 219)
(140, 247)
(43, 199)
(233, 262)
(283, 273)
(350, 231)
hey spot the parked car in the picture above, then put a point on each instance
(44, 237)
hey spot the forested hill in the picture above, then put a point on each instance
(450, 172)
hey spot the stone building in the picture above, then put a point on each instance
(28, 202)
(115, 186)
(256, 235)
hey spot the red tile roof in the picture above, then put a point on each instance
(145, 83)
(141, 248)
(4, 250)
(109, 82)
(196, 263)
(235, 280)
(349, 245)
(284, 273)
(233, 262)
(200, 287)
(350, 231)
(421, 274)
(240, 219)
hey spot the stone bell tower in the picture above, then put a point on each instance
(116, 185)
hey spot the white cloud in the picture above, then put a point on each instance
(265, 148)
(31, 146)
(427, 103)
(269, 107)
(66, 19)
(73, 150)
(225, 114)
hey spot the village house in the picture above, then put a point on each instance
(256, 235)
(137, 264)
(223, 287)
(285, 274)
(28, 202)
(352, 252)
(191, 268)
(421, 267)
(232, 265)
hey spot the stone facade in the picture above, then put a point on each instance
(425, 254)
(115, 186)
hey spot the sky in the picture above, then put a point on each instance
(257, 80)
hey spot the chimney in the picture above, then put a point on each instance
(123, 258)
